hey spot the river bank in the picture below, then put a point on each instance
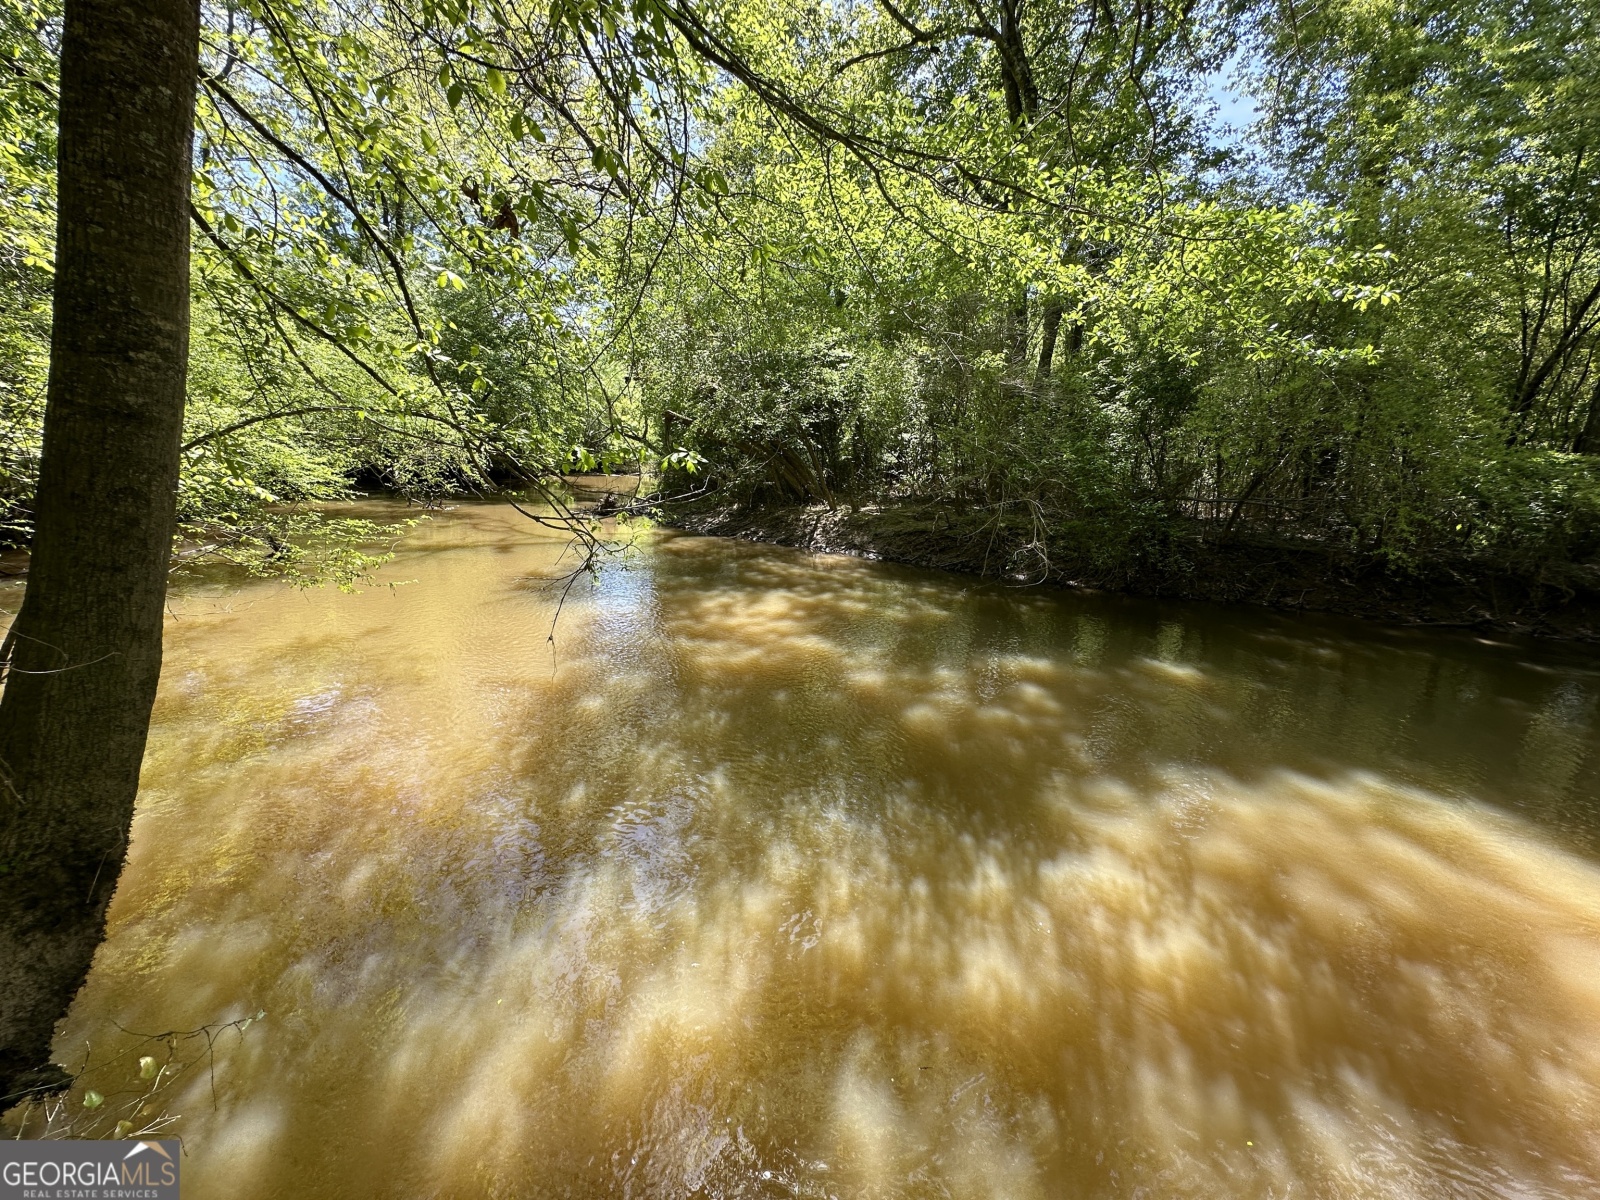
(1552, 600)
(1556, 600)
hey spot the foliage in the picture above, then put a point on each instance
(27, 205)
(1004, 252)
(1369, 324)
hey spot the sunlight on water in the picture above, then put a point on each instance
(791, 876)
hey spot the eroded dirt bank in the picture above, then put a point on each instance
(1554, 600)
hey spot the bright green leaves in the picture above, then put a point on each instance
(687, 461)
(36, 251)
(459, 234)
(521, 128)
(28, 32)
(607, 160)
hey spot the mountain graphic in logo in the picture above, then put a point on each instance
(141, 1147)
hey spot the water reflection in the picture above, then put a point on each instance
(787, 876)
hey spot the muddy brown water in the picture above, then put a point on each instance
(780, 875)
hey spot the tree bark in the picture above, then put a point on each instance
(1022, 106)
(1016, 70)
(1588, 441)
(85, 652)
(1017, 341)
(1047, 347)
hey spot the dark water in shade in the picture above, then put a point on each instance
(794, 876)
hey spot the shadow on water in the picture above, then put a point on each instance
(796, 876)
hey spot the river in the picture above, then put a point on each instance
(782, 875)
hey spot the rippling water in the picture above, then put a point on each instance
(777, 875)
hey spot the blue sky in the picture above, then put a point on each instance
(1236, 112)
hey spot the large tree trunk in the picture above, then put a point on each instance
(85, 651)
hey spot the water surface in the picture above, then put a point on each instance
(780, 875)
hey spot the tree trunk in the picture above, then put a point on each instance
(85, 651)
(1047, 347)
(1017, 339)
(1589, 436)
(1022, 105)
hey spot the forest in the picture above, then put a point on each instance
(1132, 293)
(1113, 274)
